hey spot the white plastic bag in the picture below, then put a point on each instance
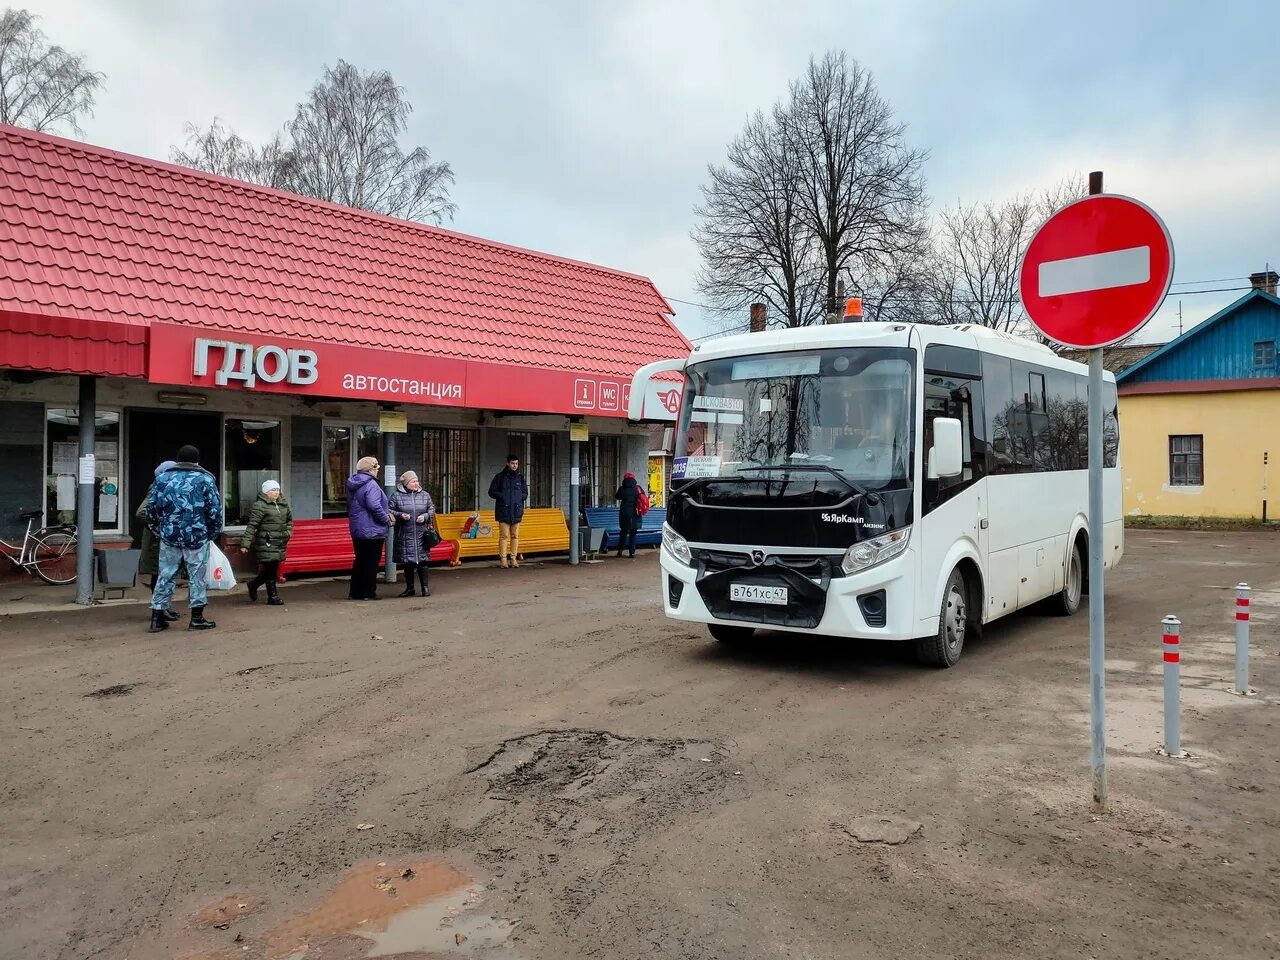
(218, 575)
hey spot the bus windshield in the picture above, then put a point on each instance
(845, 409)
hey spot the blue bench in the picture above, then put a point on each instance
(606, 519)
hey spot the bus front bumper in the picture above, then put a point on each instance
(878, 603)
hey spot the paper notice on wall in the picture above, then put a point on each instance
(66, 490)
(108, 504)
(88, 469)
(574, 476)
(64, 458)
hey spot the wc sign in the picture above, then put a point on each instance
(604, 395)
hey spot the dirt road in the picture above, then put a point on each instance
(535, 764)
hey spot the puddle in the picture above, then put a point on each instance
(395, 908)
(453, 924)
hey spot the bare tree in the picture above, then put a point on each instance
(224, 152)
(864, 186)
(817, 194)
(754, 242)
(345, 147)
(342, 145)
(978, 252)
(42, 87)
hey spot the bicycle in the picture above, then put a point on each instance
(49, 553)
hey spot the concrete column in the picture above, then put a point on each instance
(389, 473)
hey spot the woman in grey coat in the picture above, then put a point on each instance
(414, 513)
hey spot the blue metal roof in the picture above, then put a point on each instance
(1220, 348)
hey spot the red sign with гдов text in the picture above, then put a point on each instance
(196, 357)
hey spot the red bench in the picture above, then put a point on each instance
(324, 546)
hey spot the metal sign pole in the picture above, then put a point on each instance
(1097, 622)
(1097, 543)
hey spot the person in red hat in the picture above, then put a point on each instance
(628, 496)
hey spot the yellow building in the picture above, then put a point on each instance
(1200, 417)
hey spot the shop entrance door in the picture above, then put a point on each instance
(155, 436)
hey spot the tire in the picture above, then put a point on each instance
(55, 557)
(943, 649)
(731, 635)
(1067, 601)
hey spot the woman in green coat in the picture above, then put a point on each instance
(268, 532)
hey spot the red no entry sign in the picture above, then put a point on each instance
(1096, 271)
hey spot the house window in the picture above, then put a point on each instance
(1186, 460)
(1264, 353)
(450, 467)
(252, 457)
(345, 444)
(62, 430)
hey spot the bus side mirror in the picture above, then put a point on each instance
(946, 457)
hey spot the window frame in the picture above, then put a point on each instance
(121, 477)
(524, 447)
(282, 451)
(448, 483)
(1187, 457)
(1267, 345)
(352, 458)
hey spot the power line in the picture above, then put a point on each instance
(955, 301)
(906, 298)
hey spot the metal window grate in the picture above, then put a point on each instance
(1186, 460)
(450, 465)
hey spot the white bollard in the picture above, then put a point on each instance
(1172, 687)
(1242, 640)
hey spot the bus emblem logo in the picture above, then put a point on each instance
(757, 557)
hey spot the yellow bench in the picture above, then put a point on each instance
(542, 530)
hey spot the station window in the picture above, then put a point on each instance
(345, 444)
(608, 469)
(253, 456)
(450, 467)
(537, 453)
(1186, 460)
(62, 457)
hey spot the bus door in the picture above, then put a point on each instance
(952, 508)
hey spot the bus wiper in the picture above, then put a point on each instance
(871, 498)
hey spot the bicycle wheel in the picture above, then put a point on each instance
(54, 556)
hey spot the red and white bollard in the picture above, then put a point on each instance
(1242, 640)
(1172, 688)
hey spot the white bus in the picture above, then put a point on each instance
(873, 480)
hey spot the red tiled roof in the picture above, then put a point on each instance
(87, 234)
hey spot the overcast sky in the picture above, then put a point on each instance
(584, 128)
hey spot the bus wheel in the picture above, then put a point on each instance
(731, 635)
(943, 649)
(1068, 601)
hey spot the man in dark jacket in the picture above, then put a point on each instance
(510, 493)
(184, 512)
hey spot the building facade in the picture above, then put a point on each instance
(1200, 417)
(286, 338)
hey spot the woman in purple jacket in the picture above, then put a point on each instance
(368, 517)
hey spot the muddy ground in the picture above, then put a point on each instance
(535, 764)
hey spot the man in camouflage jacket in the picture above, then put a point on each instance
(184, 512)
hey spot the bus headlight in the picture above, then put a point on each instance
(676, 545)
(868, 553)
